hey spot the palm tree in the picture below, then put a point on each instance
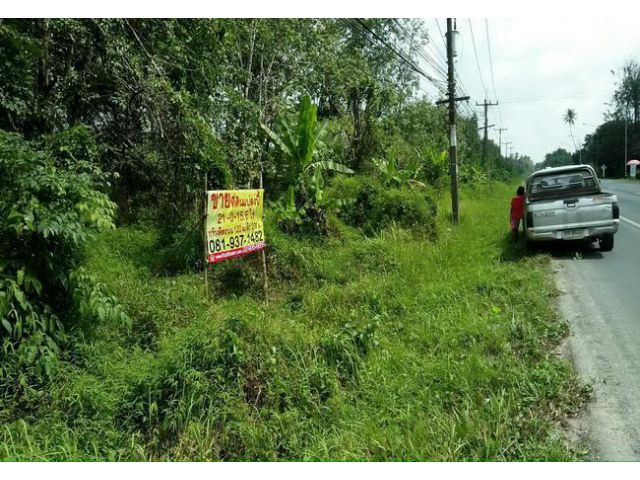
(570, 119)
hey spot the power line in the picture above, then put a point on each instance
(433, 61)
(461, 90)
(430, 58)
(407, 61)
(437, 50)
(475, 52)
(493, 83)
(368, 34)
(441, 34)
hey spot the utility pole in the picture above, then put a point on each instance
(595, 135)
(626, 122)
(486, 106)
(453, 161)
(507, 146)
(500, 130)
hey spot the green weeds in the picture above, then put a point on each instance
(382, 348)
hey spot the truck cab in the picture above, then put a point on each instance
(567, 203)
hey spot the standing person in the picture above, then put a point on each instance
(517, 212)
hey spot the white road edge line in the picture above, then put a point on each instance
(637, 225)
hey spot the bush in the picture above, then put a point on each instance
(472, 175)
(48, 210)
(367, 205)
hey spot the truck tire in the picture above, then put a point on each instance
(606, 242)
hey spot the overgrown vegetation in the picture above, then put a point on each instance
(49, 208)
(388, 335)
(373, 207)
(378, 348)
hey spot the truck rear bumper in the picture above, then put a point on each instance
(580, 233)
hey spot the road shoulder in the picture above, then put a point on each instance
(603, 428)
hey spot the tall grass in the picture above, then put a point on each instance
(384, 348)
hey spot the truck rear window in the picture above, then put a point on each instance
(560, 184)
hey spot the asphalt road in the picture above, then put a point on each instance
(601, 300)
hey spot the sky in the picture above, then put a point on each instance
(540, 69)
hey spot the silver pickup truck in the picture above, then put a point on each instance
(567, 203)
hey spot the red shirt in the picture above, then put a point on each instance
(517, 207)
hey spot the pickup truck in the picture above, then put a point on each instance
(567, 203)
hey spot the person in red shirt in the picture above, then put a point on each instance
(517, 212)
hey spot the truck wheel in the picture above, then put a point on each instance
(606, 242)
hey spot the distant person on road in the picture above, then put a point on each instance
(517, 212)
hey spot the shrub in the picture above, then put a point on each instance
(48, 210)
(302, 210)
(435, 167)
(366, 204)
(472, 175)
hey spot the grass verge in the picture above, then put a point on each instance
(385, 348)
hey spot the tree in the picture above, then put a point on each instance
(50, 207)
(169, 100)
(557, 158)
(570, 119)
(627, 95)
(608, 142)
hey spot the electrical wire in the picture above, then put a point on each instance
(439, 69)
(475, 52)
(430, 58)
(407, 61)
(441, 35)
(493, 83)
(357, 26)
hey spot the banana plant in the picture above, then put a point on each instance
(286, 210)
(394, 176)
(301, 142)
(304, 205)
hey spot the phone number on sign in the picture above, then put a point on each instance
(235, 241)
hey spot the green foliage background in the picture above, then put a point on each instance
(379, 343)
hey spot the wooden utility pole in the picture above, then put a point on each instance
(486, 106)
(507, 146)
(453, 144)
(500, 130)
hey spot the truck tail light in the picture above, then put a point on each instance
(616, 211)
(530, 219)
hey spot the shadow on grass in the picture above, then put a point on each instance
(515, 251)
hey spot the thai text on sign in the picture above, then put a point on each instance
(234, 223)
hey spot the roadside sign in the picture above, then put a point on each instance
(234, 223)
